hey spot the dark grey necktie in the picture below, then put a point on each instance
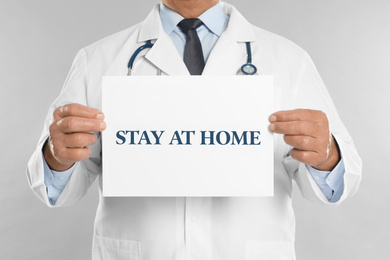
(193, 54)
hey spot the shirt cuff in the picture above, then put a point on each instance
(331, 183)
(55, 181)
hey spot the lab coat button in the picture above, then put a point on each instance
(193, 218)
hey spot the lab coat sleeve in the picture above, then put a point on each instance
(73, 91)
(310, 92)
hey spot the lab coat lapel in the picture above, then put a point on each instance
(229, 53)
(118, 66)
(226, 58)
(163, 55)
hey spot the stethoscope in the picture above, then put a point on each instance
(247, 69)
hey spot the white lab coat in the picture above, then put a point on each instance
(198, 228)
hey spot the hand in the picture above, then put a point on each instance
(308, 132)
(70, 134)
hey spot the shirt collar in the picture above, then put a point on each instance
(214, 19)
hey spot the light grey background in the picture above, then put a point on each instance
(349, 40)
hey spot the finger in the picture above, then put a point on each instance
(297, 115)
(80, 125)
(68, 155)
(302, 142)
(79, 140)
(307, 157)
(78, 110)
(295, 128)
(74, 154)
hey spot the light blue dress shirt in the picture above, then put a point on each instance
(55, 182)
(215, 22)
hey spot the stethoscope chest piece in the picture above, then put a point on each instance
(249, 69)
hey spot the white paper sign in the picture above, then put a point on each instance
(187, 136)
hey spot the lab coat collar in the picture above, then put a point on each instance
(151, 27)
(163, 54)
(226, 57)
(229, 53)
(238, 28)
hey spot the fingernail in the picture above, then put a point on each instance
(271, 127)
(103, 125)
(100, 116)
(272, 118)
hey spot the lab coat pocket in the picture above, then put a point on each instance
(115, 249)
(269, 250)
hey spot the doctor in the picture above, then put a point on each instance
(314, 149)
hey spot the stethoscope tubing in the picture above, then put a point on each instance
(247, 69)
(147, 45)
